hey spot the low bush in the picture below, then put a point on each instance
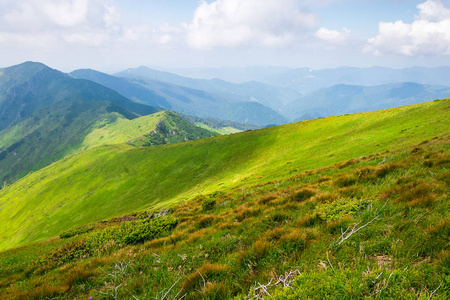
(77, 231)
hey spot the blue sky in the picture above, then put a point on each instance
(111, 35)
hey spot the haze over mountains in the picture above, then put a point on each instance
(214, 99)
(291, 94)
(306, 80)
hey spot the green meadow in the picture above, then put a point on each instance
(114, 180)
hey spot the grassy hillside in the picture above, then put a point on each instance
(143, 131)
(114, 180)
(373, 227)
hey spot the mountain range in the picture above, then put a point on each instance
(307, 80)
(288, 95)
(211, 99)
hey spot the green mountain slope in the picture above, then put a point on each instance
(112, 180)
(373, 227)
(45, 114)
(157, 129)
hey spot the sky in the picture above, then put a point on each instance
(113, 35)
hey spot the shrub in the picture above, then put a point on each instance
(77, 231)
(146, 232)
(340, 208)
(66, 253)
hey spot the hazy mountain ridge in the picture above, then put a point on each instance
(325, 92)
(306, 80)
(214, 98)
(265, 94)
(344, 99)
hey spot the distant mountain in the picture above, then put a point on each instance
(254, 91)
(343, 99)
(306, 80)
(132, 91)
(46, 115)
(215, 98)
(232, 74)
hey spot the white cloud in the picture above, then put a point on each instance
(233, 23)
(64, 13)
(433, 11)
(44, 13)
(332, 36)
(166, 34)
(429, 34)
(86, 22)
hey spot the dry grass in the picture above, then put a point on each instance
(304, 194)
(207, 272)
(294, 242)
(243, 212)
(79, 274)
(414, 193)
(345, 180)
(326, 197)
(267, 199)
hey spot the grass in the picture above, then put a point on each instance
(285, 229)
(221, 131)
(114, 180)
